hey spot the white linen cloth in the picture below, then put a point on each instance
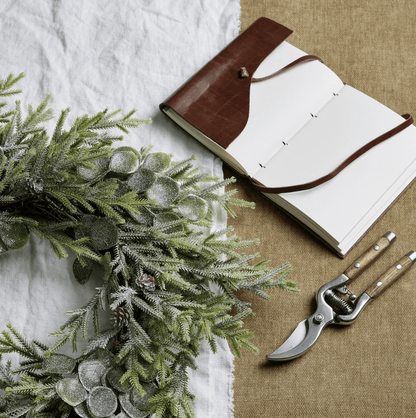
(89, 55)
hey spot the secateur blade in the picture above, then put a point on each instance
(304, 336)
(333, 309)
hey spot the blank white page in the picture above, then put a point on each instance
(347, 122)
(280, 106)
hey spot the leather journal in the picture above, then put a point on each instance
(327, 154)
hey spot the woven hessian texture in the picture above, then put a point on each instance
(367, 369)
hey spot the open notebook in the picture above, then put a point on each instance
(300, 125)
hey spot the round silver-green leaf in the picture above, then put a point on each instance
(106, 357)
(157, 161)
(102, 402)
(90, 373)
(193, 207)
(83, 230)
(82, 410)
(145, 217)
(141, 180)
(125, 160)
(89, 174)
(122, 414)
(14, 236)
(142, 402)
(150, 377)
(103, 234)
(164, 190)
(113, 378)
(71, 391)
(83, 272)
(59, 363)
(163, 219)
(129, 408)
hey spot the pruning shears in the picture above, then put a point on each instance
(333, 307)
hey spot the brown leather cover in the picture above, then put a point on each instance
(216, 99)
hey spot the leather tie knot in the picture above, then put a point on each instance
(243, 73)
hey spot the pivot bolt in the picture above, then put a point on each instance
(318, 318)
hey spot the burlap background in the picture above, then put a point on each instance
(369, 368)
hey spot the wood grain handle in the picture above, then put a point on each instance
(370, 255)
(391, 275)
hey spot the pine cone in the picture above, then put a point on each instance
(121, 316)
(146, 282)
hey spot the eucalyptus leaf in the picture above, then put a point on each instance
(125, 160)
(145, 217)
(129, 408)
(150, 377)
(166, 217)
(82, 410)
(71, 391)
(84, 229)
(82, 273)
(141, 180)
(164, 190)
(103, 234)
(102, 402)
(90, 373)
(59, 363)
(193, 207)
(122, 414)
(106, 357)
(113, 377)
(89, 174)
(142, 402)
(14, 236)
(157, 161)
(122, 189)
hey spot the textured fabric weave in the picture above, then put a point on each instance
(369, 368)
(119, 54)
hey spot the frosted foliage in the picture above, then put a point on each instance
(141, 180)
(124, 161)
(102, 402)
(71, 391)
(164, 190)
(14, 236)
(157, 161)
(59, 363)
(90, 373)
(103, 234)
(193, 207)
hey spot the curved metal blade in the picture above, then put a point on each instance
(297, 336)
(300, 341)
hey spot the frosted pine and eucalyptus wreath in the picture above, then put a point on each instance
(138, 217)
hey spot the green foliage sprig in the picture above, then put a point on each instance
(140, 217)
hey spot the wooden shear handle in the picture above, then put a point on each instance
(370, 255)
(391, 275)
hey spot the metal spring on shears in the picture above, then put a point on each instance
(337, 302)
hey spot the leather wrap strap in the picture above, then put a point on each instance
(305, 186)
(301, 60)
